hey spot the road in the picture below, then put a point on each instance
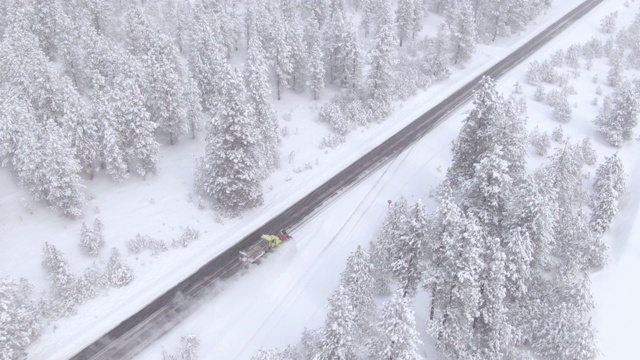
(135, 333)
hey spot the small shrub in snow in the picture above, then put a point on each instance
(572, 57)
(540, 141)
(557, 134)
(557, 58)
(593, 48)
(589, 155)
(188, 349)
(594, 102)
(332, 141)
(569, 90)
(542, 72)
(144, 242)
(595, 79)
(540, 94)
(517, 88)
(599, 90)
(119, 273)
(331, 113)
(614, 76)
(608, 23)
(188, 235)
(91, 240)
(95, 278)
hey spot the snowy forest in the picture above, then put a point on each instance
(95, 89)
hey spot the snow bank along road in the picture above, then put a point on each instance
(135, 333)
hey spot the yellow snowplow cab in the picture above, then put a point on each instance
(272, 240)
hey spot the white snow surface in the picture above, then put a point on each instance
(268, 304)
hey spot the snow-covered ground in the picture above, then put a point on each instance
(269, 304)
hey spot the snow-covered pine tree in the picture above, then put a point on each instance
(18, 317)
(563, 328)
(167, 98)
(463, 32)
(608, 188)
(45, 164)
(315, 61)
(310, 343)
(65, 285)
(534, 213)
(91, 240)
(294, 34)
(229, 171)
(394, 226)
(357, 281)
(118, 273)
(457, 296)
(381, 61)
(407, 19)
(337, 334)
(281, 53)
(256, 79)
(399, 339)
(439, 60)
(619, 115)
(407, 250)
(487, 120)
(206, 58)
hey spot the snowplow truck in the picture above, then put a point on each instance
(266, 243)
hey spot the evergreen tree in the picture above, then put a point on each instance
(357, 281)
(20, 324)
(394, 227)
(380, 79)
(91, 240)
(281, 54)
(463, 32)
(65, 285)
(408, 249)
(564, 329)
(337, 334)
(257, 83)
(609, 186)
(45, 164)
(229, 172)
(439, 60)
(399, 339)
(619, 115)
(119, 273)
(407, 19)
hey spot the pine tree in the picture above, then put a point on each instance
(399, 339)
(91, 240)
(45, 164)
(281, 54)
(119, 273)
(380, 79)
(463, 32)
(394, 227)
(256, 77)
(65, 285)
(337, 334)
(609, 186)
(619, 115)
(18, 316)
(407, 19)
(357, 281)
(408, 250)
(439, 60)
(492, 122)
(564, 329)
(229, 172)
